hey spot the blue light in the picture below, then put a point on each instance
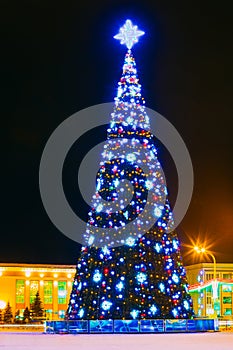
(134, 314)
(162, 287)
(97, 276)
(106, 305)
(175, 244)
(131, 157)
(175, 312)
(141, 277)
(105, 250)
(99, 208)
(175, 278)
(81, 313)
(158, 247)
(130, 241)
(149, 184)
(186, 305)
(120, 286)
(153, 309)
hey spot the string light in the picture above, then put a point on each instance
(125, 271)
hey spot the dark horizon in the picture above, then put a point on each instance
(57, 60)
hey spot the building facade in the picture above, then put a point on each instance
(211, 296)
(19, 284)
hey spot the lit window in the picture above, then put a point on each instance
(20, 291)
(227, 312)
(226, 288)
(48, 292)
(34, 287)
(227, 300)
(62, 292)
(226, 276)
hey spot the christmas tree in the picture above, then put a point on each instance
(131, 266)
(8, 315)
(36, 308)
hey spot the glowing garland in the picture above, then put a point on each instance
(143, 277)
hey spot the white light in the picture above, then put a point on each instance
(130, 241)
(157, 212)
(141, 277)
(129, 120)
(153, 309)
(161, 287)
(131, 157)
(175, 244)
(134, 313)
(175, 278)
(106, 305)
(105, 250)
(97, 276)
(174, 311)
(81, 313)
(99, 208)
(158, 247)
(120, 286)
(128, 34)
(149, 184)
(186, 304)
(91, 240)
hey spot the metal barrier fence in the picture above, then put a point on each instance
(131, 326)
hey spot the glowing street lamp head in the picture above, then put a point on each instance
(199, 249)
(129, 34)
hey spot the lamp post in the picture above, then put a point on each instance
(202, 250)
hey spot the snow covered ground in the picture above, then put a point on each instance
(194, 341)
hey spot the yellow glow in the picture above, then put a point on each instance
(55, 275)
(2, 304)
(55, 283)
(27, 282)
(41, 275)
(69, 275)
(27, 274)
(199, 249)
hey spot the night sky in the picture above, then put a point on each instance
(60, 58)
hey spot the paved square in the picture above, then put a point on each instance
(194, 341)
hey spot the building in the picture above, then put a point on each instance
(211, 296)
(20, 282)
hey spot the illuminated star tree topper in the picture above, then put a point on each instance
(129, 34)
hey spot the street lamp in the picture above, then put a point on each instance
(202, 250)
